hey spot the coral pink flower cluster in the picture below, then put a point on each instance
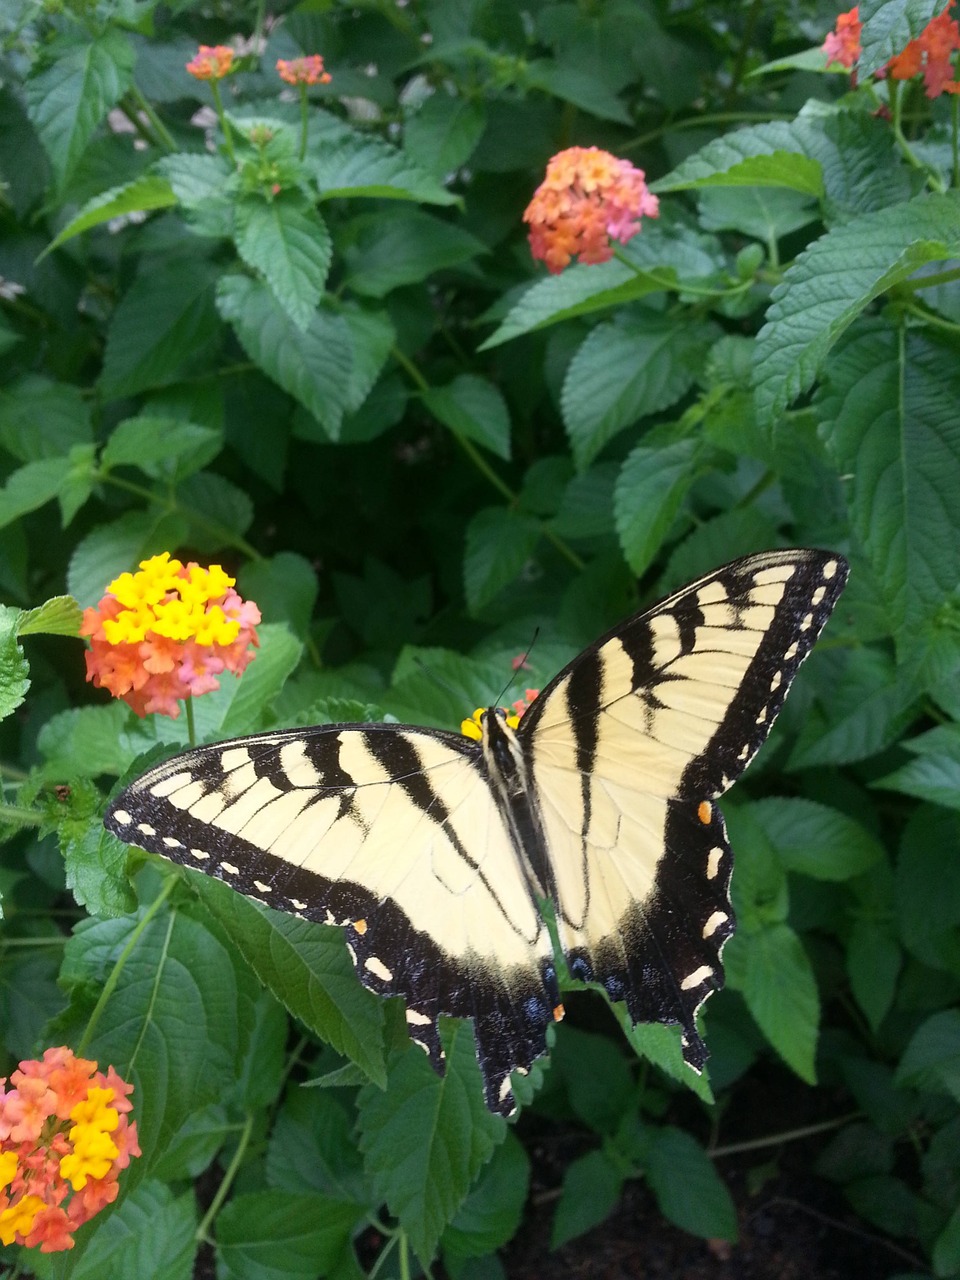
(588, 199)
(931, 53)
(211, 62)
(306, 70)
(65, 1135)
(165, 634)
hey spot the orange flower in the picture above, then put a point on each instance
(65, 1135)
(521, 704)
(165, 634)
(843, 44)
(587, 199)
(307, 70)
(211, 62)
(931, 53)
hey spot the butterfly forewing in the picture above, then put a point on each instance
(389, 831)
(630, 745)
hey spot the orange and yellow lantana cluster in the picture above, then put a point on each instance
(167, 632)
(588, 199)
(305, 70)
(931, 53)
(64, 1132)
(211, 62)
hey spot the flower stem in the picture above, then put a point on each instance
(224, 123)
(203, 1230)
(191, 728)
(303, 119)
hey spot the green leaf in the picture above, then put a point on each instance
(759, 888)
(873, 965)
(58, 616)
(443, 133)
(149, 191)
(387, 250)
(307, 968)
(111, 549)
(473, 407)
(717, 165)
(890, 422)
(572, 84)
(280, 1235)
(946, 1247)
(650, 489)
(660, 1044)
(149, 1234)
(425, 1138)
(164, 325)
(765, 213)
(627, 370)
(816, 840)
(831, 283)
(205, 187)
(68, 99)
(174, 1021)
(374, 168)
(95, 864)
(87, 741)
(283, 587)
(161, 447)
(586, 508)
(278, 656)
(927, 893)
(14, 669)
(888, 27)
(492, 1212)
(591, 1191)
(314, 366)
(688, 1188)
(373, 338)
(935, 774)
(931, 1061)
(42, 419)
(31, 486)
(500, 541)
(288, 242)
(773, 972)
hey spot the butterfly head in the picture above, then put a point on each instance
(473, 727)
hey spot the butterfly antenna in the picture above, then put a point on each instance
(519, 663)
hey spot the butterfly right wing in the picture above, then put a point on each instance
(391, 832)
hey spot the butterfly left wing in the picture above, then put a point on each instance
(628, 749)
(391, 832)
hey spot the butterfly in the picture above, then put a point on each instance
(436, 852)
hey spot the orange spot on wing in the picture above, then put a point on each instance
(360, 926)
(558, 1013)
(705, 812)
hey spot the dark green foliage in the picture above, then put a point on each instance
(326, 360)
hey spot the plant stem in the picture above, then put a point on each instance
(303, 119)
(202, 1232)
(191, 728)
(788, 1135)
(164, 137)
(224, 123)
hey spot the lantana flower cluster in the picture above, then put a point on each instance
(931, 53)
(211, 62)
(305, 70)
(472, 727)
(165, 633)
(587, 200)
(65, 1136)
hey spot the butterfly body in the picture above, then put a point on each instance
(434, 852)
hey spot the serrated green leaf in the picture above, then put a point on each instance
(283, 587)
(500, 541)
(873, 965)
(661, 1045)
(87, 741)
(72, 95)
(573, 84)
(216, 510)
(307, 968)
(650, 489)
(314, 366)
(288, 242)
(591, 1191)
(150, 1234)
(373, 337)
(688, 1188)
(95, 864)
(931, 1060)
(774, 975)
(771, 154)
(164, 325)
(935, 774)
(759, 889)
(41, 419)
(443, 133)
(374, 168)
(586, 508)
(279, 653)
(311, 1147)
(161, 447)
(58, 616)
(14, 669)
(403, 247)
(814, 839)
(625, 371)
(765, 213)
(150, 191)
(279, 1235)
(425, 1138)
(493, 1210)
(831, 283)
(31, 486)
(473, 407)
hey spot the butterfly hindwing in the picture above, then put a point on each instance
(630, 745)
(390, 832)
